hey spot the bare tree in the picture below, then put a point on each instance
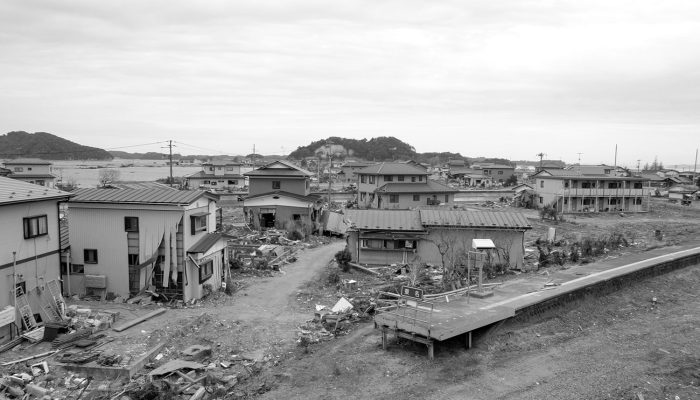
(107, 176)
(503, 247)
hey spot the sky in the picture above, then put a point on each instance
(488, 78)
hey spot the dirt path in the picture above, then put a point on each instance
(258, 320)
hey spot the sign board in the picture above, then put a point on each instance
(7, 316)
(408, 291)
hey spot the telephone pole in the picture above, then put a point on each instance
(170, 161)
(541, 156)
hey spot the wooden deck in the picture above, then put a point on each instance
(426, 322)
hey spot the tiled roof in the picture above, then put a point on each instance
(401, 220)
(489, 165)
(393, 168)
(16, 191)
(138, 196)
(357, 164)
(141, 185)
(430, 186)
(291, 170)
(209, 240)
(476, 219)
(203, 175)
(26, 161)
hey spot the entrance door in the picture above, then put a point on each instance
(267, 220)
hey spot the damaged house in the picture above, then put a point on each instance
(279, 192)
(124, 241)
(29, 250)
(384, 237)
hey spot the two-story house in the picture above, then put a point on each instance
(572, 192)
(124, 241)
(348, 171)
(29, 248)
(38, 172)
(496, 173)
(217, 175)
(279, 192)
(396, 185)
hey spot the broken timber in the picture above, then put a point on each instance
(363, 269)
(129, 324)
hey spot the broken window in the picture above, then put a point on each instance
(131, 224)
(206, 270)
(90, 256)
(133, 259)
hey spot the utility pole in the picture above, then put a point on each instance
(253, 156)
(695, 168)
(170, 146)
(615, 156)
(638, 170)
(541, 156)
(579, 162)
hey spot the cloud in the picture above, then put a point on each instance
(440, 75)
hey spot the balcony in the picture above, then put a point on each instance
(603, 192)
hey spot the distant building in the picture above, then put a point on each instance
(497, 173)
(279, 192)
(396, 185)
(38, 172)
(572, 192)
(29, 246)
(384, 237)
(348, 171)
(125, 241)
(217, 175)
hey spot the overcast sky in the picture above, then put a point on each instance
(484, 78)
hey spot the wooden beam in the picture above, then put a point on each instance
(129, 324)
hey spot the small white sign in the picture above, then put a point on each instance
(7, 316)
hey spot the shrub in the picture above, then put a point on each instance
(343, 257)
(333, 277)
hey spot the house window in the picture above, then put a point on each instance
(638, 201)
(566, 185)
(541, 201)
(372, 244)
(41, 182)
(613, 185)
(566, 200)
(585, 185)
(276, 185)
(198, 223)
(393, 198)
(420, 178)
(416, 197)
(371, 179)
(90, 256)
(229, 168)
(613, 202)
(213, 183)
(232, 182)
(35, 226)
(388, 178)
(413, 179)
(29, 168)
(19, 169)
(131, 224)
(363, 195)
(447, 198)
(77, 269)
(205, 182)
(638, 185)
(363, 178)
(500, 172)
(206, 270)
(541, 183)
(587, 202)
(133, 259)
(400, 178)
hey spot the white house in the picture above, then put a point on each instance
(38, 172)
(219, 175)
(125, 241)
(29, 246)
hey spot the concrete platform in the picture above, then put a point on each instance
(466, 314)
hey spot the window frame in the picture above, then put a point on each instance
(88, 259)
(204, 275)
(27, 226)
(130, 257)
(129, 226)
(393, 198)
(196, 225)
(276, 185)
(388, 178)
(416, 197)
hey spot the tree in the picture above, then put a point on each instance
(107, 176)
(511, 181)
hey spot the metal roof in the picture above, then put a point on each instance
(476, 219)
(206, 243)
(204, 175)
(138, 196)
(267, 170)
(430, 186)
(16, 191)
(27, 161)
(393, 168)
(282, 193)
(221, 163)
(400, 220)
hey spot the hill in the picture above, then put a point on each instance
(44, 145)
(383, 148)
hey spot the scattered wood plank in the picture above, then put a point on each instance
(199, 394)
(363, 269)
(29, 358)
(129, 324)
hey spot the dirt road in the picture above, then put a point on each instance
(258, 320)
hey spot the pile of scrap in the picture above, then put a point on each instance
(328, 323)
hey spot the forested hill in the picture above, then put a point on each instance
(384, 148)
(44, 145)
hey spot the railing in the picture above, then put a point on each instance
(413, 312)
(602, 192)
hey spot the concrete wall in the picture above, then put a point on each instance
(35, 273)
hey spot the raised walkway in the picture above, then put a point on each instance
(426, 322)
